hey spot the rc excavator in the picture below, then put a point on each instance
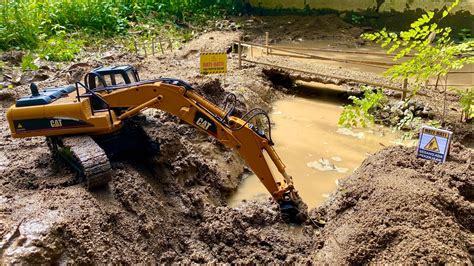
(87, 123)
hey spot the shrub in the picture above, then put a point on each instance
(359, 113)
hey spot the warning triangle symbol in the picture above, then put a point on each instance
(20, 125)
(432, 145)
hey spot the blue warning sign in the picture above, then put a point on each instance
(434, 144)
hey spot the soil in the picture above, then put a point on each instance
(172, 208)
(397, 207)
(299, 28)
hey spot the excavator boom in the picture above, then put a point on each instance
(104, 110)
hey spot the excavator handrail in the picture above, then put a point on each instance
(94, 94)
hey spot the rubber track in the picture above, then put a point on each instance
(93, 161)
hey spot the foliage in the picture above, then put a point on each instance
(27, 62)
(466, 101)
(409, 121)
(434, 53)
(359, 113)
(415, 124)
(25, 23)
(60, 48)
(357, 19)
(465, 34)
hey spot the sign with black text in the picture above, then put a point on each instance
(434, 144)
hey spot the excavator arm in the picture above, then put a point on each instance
(179, 99)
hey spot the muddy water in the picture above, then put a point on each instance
(316, 151)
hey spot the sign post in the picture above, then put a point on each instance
(213, 63)
(434, 144)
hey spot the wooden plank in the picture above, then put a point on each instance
(328, 50)
(405, 86)
(240, 55)
(328, 76)
(266, 41)
(312, 56)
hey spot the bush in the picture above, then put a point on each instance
(60, 48)
(359, 113)
(23, 22)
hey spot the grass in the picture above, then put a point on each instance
(40, 24)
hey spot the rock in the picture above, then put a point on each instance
(16, 77)
(40, 76)
(107, 56)
(13, 57)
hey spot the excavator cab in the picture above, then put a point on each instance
(103, 77)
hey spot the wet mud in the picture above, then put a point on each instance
(172, 208)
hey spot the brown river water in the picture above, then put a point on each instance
(316, 152)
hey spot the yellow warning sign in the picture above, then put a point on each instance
(20, 125)
(213, 63)
(432, 145)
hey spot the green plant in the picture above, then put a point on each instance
(415, 123)
(60, 48)
(465, 34)
(23, 22)
(359, 113)
(466, 101)
(27, 62)
(357, 19)
(434, 53)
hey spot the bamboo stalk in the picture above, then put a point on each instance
(266, 41)
(153, 46)
(405, 86)
(240, 54)
(144, 48)
(161, 46)
(135, 46)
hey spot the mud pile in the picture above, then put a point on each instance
(300, 28)
(396, 207)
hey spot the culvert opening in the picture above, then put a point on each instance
(329, 90)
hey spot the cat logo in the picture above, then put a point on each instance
(203, 123)
(56, 123)
(432, 145)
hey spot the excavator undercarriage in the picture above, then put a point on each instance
(89, 123)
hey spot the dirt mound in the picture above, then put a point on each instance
(299, 28)
(396, 207)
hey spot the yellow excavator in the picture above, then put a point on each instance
(87, 123)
